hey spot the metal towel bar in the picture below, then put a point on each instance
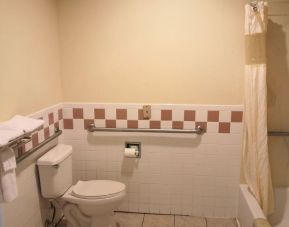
(198, 130)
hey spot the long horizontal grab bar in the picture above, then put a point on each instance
(278, 133)
(31, 151)
(198, 130)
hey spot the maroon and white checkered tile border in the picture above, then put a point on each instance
(53, 118)
(211, 120)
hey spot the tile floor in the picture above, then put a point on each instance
(152, 220)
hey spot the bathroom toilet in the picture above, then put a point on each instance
(85, 204)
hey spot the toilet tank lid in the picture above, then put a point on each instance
(55, 155)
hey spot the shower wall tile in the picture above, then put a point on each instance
(177, 173)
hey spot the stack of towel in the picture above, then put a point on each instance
(10, 130)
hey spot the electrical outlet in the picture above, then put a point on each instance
(147, 112)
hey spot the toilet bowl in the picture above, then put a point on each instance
(96, 199)
(85, 204)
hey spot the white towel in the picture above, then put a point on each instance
(7, 134)
(8, 160)
(26, 124)
(9, 190)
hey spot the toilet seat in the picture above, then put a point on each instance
(97, 189)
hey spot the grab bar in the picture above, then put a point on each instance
(278, 133)
(199, 130)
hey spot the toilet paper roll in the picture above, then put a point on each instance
(130, 153)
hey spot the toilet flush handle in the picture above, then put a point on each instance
(56, 166)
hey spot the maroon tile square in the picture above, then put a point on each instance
(140, 114)
(21, 149)
(68, 123)
(46, 133)
(132, 124)
(203, 125)
(213, 116)
(236, 116)
(121, 114)
(60, 114)
(224, 127)
(50, 118)
(35, 140)
(87, 122)
(189, 115)
(99, 113)
(155, 124)
(77, 113)
(110, 123)
(178, 124)
(56, 125)
(166, 115)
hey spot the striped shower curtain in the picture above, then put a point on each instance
(255, 156)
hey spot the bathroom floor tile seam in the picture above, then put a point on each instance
(125, 219)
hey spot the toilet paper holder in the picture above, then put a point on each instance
(136, 146)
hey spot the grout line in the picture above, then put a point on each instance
(174, 220)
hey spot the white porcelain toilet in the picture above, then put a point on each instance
(85, 204)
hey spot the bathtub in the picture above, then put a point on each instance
(249, 209)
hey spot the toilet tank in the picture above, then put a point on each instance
(55, 171)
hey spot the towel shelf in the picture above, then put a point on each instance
(31, 151)
(278, 133)
(198, 130)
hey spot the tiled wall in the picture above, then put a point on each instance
(178, 174)
(53, 118)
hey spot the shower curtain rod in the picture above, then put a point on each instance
(278, 133)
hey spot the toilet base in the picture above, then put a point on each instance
(76, 218)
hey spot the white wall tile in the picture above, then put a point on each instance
(121, 123)
(178, 115)
(166, 124)
(176, 174)
(110, 113)
(225, 116)
(88, 113)
(155, 114)
(132, 114)
(201, 115)
(143, 124)
(67, 113)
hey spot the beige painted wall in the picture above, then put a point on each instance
(29, 59)
(278, 89)
(161, 51)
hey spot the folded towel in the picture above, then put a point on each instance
(7, 134)
(9, 189)
(261, 222)
(8, 159)
(8, 186)
(26, 124)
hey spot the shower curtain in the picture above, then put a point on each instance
(256, 165)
